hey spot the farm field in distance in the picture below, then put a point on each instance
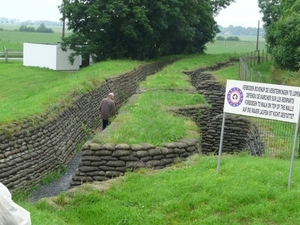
(12, 39)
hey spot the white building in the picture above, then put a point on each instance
(49, 56)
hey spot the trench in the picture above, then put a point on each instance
(63, 183)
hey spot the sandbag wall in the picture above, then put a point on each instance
(239, 132)
(32, 148)
(100, 162)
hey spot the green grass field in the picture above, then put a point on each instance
(248, 190)
(15, 39)
(12, 39)
(27, 91)
(246, 45)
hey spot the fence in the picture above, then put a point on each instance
(278, 136)
(246, 73)
(12, 54)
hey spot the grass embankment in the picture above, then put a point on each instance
(147, 120)
(27, 91)
(248, 190)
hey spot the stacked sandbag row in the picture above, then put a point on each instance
(235, 137)
(100, 162)
(192, 111)
(239, 133)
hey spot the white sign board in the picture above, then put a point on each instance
(275, 102)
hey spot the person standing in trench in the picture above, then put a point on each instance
(107, 109)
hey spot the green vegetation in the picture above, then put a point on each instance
(14, 39)
(140, 29)
(248, 190)
(231, 38)
(281, 21)
(148, 119)
(240, 47)
(228, 73)
(241, 31)
(41, 29)
(53, 175)
(40, 89)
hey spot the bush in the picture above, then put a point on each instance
(220, 38)
(235, 38)
(41, 29)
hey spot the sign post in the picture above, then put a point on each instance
(268, 101)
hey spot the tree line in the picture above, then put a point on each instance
(239, 30)
(147, 29)
(41, 29)
(139, 29)
(282, 24)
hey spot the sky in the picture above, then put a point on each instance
(242, 13)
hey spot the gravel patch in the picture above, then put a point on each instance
(56, 187)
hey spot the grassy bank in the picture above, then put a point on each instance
(148, 119)
(248, 190)
(27, 91)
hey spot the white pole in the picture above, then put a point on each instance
(6, 54)
(293, 155)
(221, 142)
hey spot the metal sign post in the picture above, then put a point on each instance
(293, 154)
(268, 101)
(221, 143)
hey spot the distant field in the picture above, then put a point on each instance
(11, 38)
(245, 45)
(14, 27)
(15, 39)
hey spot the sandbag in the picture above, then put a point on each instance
(10, 212)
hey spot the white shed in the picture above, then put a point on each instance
(48, 56)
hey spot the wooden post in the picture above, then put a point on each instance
(246, 71)
(248, 58)
(6, 54)
(240, 68)
(257, 37)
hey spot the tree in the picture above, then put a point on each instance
(283, 33)
(270, 10)
(43, 29)
(139, 29)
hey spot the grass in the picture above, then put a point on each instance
(248, 190)
(244, 47)
(228, 73)
(278, 137)
(147, 119)
(27, 91)
(12, 39)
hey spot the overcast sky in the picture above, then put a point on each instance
(242, 13)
